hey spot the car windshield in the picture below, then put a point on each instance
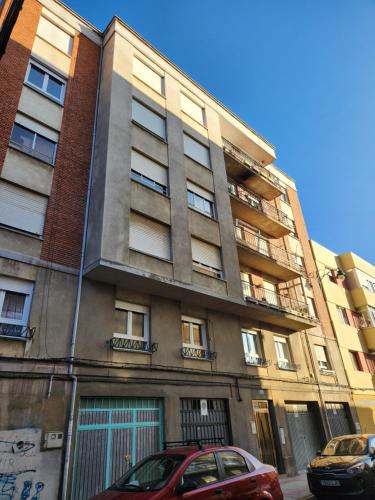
(342, 447)
(149, 475)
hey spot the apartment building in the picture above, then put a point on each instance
(156, 277)
(348, 283)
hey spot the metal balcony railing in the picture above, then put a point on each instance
(264, 247)
(250, 163)
(287, 365)
(16, 331)
(274, 300)
(259, 204)
(252, 360)
(124, 344)
(196, 353)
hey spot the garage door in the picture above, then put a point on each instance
(338, 419)
(304, 433)
(112, 434)
(197, 425)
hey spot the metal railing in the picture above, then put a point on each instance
(264, 247)
(196, 353)
(252, 360)
(16, 331)
(275, 300)
(123, 344)
(287, 365)
(259, 204)
(250, 163)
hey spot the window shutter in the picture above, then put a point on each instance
(320, 353)
(192, 109)
(206, 254)
(196, 151)
(147, 75)
(149, 236)
(37, 127)
(22, 209)
(149, 168)
(150, 120)
(200, 191)
(55, 36)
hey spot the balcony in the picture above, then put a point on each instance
(124, 344)
(363, 297)
(16, 332)
(258, 212)
(196, 353)
(253, 360)
(252, 174)
(273, 300)
(258, 253)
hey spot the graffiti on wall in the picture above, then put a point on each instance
(22, 473)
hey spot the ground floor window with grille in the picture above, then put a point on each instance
(15, 301)
(283, 353)
(131, 327)
(194, 337)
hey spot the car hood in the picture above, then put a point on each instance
(336, 462)
(125, 495)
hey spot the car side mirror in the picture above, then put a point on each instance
(318, 453)
(187, 485)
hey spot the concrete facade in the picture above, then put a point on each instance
(236, 269)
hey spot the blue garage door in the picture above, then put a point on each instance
(112, 434)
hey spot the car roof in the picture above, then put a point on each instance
(191, 450)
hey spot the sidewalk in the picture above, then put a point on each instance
(295, 488)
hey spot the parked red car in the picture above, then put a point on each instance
(197, 472)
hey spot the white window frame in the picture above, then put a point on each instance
(195, 321)
(47, 74)
(129, 307)
(16, 286)
(343, 316)
(31, 152)
(257, 355)
(284, 361)
(324, 364)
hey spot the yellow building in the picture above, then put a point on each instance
(348, 284)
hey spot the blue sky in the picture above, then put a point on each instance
(301, 73)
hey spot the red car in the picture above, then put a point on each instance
(197, 472)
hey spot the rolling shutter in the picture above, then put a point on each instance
(148, 119)
(200, 191)
(149, 168)
(149, 237)
(192, 109)
(147, 75)
(55, 36)
(22, 209)
(196, 151)
(206, 254)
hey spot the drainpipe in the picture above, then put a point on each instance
(69, 433)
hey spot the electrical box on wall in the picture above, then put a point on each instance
(53, 440)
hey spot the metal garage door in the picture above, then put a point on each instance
(338, 419)
(304, 433)
(213, 425)
(111, 435)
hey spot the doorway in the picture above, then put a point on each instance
(264, 432)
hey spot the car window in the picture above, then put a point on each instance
(233, 464)
(371, 443)
(202, 471)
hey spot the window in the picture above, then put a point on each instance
(321, 356)
(299, 261)
(233, 464)
(284, 196)
(355, 362)
(282, 353)
(194, 333)
(15, 300)
(196, 151)
(132, 321)
(343, 315)
(372, 314)
(148, 119)
(55, 36)
(192, 109)
(250, 341)
(370, 286)
(202, 471)
(149, 237)
(147, 75)
(206, 258)
(149, 173)
(46, 81)
(33, 143)
(200, 199)
(22, 209)
(311, 307)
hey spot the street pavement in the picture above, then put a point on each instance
(295, 488)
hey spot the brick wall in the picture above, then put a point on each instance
(13, 66)
(65, 214)
(320, 304)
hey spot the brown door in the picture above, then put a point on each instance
(264, 432)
